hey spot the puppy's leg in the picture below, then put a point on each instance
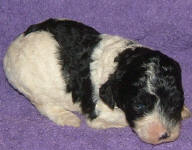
(55, 111)
(108, 118)
(100, 123)
(59, 115)
(185, 113)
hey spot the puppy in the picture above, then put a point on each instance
(64, 66)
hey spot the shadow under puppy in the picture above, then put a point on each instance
(64, 66)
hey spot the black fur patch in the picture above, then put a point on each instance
(127, 86)
(77, 42)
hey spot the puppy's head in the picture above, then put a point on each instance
(147, 87)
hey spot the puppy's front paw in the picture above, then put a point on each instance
(100, 123)
(60, 116)
(185, 113)
(67, 119)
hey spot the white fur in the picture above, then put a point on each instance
(32, 68)
(150, 78)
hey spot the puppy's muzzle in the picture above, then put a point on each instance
(152, 130)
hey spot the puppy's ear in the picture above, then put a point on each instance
(107, 95)
(185, 113)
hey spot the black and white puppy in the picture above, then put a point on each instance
(64, 66)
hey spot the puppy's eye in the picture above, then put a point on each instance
(139, 107)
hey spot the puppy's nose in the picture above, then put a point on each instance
(164, 136)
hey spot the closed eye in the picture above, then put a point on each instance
(139, 107)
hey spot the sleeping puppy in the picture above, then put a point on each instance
(64, 66)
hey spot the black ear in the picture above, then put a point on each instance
(107, 94)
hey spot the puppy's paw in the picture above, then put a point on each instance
(67, 119)
(59, 115)
(185, 113)
(100, 123)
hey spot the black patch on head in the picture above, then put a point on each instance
(76, 42)
(128, 84)
(168, 87)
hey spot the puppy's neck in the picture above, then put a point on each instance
(103, 56)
